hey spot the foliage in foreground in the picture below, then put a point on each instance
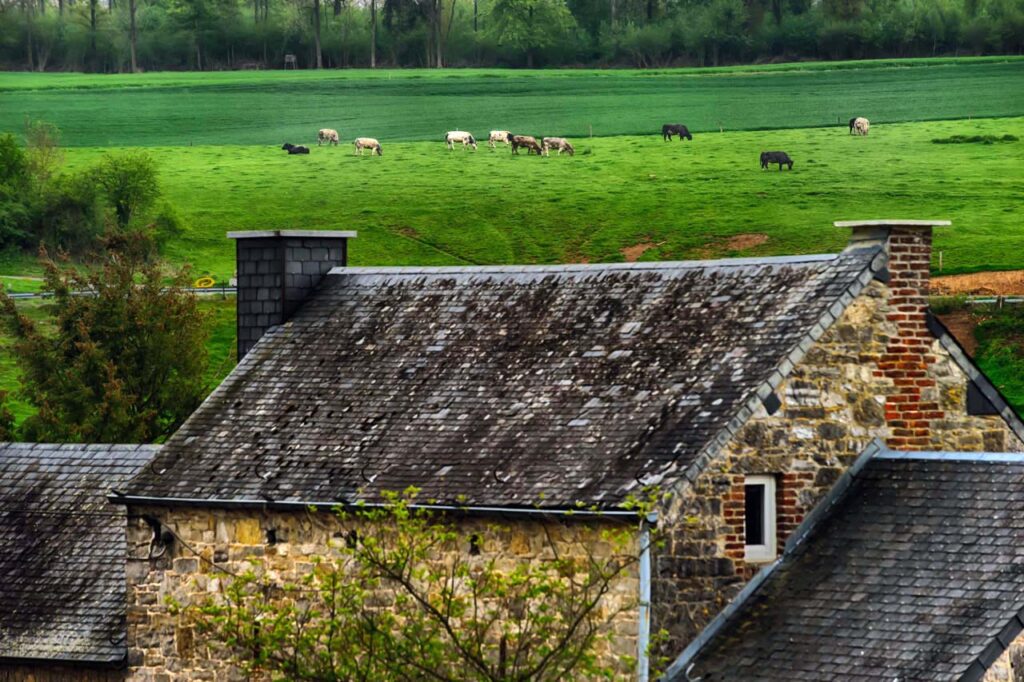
(126, 360)
(408, 595)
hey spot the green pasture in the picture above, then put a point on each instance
(256, 108)
(420, 204)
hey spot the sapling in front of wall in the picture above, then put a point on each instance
(413, 594)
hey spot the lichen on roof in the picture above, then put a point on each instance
(510, 386)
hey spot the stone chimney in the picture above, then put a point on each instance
(277, 270)
(913, 403)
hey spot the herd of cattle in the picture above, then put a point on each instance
(858, 126)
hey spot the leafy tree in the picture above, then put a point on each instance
(126, 358)
(529, 25)
(129, 183)
(412, 596)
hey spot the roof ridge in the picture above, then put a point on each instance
(953, 456)
(581, 267)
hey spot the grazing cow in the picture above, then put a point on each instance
(530, 143)
(498, 136)
(453, 136)
(861, 125)
(679, 129)
(327, 135)
(559, 143)
(852, 121)
(781, 158)
(295, 148)
(362, 143)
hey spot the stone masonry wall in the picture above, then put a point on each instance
(833, 404)
(59, 673)
(163, 647)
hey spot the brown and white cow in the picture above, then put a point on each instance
(328, 135)
(530, 143)
(361, 143)
(498, 136)
(861, 126)
(454, 136)
(559, 143)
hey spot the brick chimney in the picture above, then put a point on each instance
(912, 405)
(277, 270)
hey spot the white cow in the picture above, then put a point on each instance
(559, 143)
(453, 136)
(861, 125)
(328, 135)
(498, 136)
(361, 143)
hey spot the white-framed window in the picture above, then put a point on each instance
(759, 517)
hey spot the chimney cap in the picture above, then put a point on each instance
(892, 222)
(263, 234)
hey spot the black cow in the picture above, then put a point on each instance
(781, 158)
(851, 124)
(295, 148)
(679, 129)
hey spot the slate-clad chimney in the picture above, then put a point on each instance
(913, 404)
(277, 270)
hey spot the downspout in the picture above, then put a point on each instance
(643, 638)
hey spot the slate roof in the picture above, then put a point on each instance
(513, 387)
(62, 576)
(916, 573)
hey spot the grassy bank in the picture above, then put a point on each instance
(248, 108)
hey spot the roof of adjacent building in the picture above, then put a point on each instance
(505, 386)
(916, 572)
(62, 576)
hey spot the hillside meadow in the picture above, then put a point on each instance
(271, 107)
(419, 203)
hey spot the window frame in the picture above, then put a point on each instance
(766, 552)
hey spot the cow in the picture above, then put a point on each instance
(781, 158)
(559, 143)
(295, 149)
(361, 143)
(498, 136)
(852, 121)
(327, 135)
(679, 129)
(861, 126)
(453, 136)
(530, 143)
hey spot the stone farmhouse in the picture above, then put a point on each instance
(841, 479)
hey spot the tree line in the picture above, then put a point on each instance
(132, 35)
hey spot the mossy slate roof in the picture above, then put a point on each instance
(62, 568)
(916, 574)
(502, 386)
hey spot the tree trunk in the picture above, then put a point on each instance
(316, 34)
(438, 14)
(60, 7)
(474, 16)
(613, 12)
(132, 35)
(199, 47)
(373, 34)
(27, 8)
(92, 27)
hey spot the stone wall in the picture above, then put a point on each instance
(59, 673)
(833, 404)
(163, 647)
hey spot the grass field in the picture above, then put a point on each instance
(259, 108)
(420, 204)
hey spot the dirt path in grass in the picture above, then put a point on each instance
(1004, 283)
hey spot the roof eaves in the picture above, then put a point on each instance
(679, 670)
(750, 406)
(965, 363)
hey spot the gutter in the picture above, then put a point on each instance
(643, 639)
(299, 505)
